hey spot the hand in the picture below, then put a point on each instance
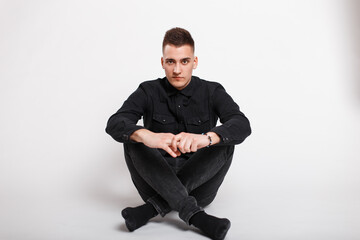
(189, 142)
(156, 140)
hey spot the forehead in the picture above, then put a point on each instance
(184, 51)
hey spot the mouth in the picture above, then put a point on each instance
(177, 77)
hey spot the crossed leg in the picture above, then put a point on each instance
(193, 187)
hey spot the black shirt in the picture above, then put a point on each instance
(194, 109)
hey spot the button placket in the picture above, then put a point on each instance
(179, 111)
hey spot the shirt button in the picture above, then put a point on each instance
(179, 106)
(199, 121)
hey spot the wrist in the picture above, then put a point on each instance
(215, 139)
(209, 139)
(139, 135)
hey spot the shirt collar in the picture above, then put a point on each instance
(187, 91)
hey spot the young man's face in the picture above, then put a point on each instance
(178, 63)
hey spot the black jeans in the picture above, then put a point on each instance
(186, 186)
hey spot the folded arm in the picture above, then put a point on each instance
(235, 126)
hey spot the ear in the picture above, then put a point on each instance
(162, 62)
(195, 62)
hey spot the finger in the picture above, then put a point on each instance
(178, 153)
(182, 143)
(188, 144)
(171, 152)
(193, 147)
(174, 143)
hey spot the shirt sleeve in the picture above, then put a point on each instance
(123, 123)
(235, 126)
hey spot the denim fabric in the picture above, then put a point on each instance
(186, 187)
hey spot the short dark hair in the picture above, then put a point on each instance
(178, 37)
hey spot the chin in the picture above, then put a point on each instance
(176, 84)
(178, 87)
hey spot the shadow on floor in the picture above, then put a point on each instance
(171, 220)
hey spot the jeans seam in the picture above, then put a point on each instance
(156, 206)
(160, 208)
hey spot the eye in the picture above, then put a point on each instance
(185, 61)
(169, 61)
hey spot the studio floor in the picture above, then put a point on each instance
(268, 215)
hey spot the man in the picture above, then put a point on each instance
(179, 158)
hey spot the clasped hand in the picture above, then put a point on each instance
(176, 144)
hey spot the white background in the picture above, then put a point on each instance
(292, 66)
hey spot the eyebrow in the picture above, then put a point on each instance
(186, 58)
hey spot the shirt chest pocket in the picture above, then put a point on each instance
(163, 123)
(198, 125)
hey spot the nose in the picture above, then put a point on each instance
(177, 69)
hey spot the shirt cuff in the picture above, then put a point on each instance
(125, 137)
(223, 134)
